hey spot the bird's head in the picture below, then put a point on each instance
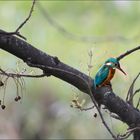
(114, 63)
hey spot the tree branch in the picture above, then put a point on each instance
(127, 53)
(53, 66)
(16, 32)
(72, 36)
(131, 93)
(2, 72)
(24, 22)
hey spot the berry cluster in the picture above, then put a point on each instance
(17, 98)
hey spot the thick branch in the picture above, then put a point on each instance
(52, 66)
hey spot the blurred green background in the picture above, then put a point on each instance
(110, 28)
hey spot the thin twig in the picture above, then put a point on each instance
(24, 22)
(100, 114)
(5, 84)
(138, 103)
(124, 136)
(138, 90)
(20, 75)
(128, 133)
(132, 97)
(129, 97)
(24, 75)
(127, 53)
(16, 32)
(133, 129)
(68, 34)
(17, 85)
(86, 109)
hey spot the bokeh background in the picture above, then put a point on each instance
(107, 27)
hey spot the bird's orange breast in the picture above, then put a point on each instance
(109, 77)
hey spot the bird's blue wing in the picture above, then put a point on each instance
(101, 75)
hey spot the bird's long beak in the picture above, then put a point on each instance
(121, 70)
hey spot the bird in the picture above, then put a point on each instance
(106, 72)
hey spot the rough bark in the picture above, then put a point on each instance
(53, 66)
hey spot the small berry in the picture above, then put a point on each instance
(16, 99)
(3, 106)
(71, 105)
(95, 115)
(1, 83)
(74, 100)
(19, 97)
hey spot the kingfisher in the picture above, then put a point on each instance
(106, 72)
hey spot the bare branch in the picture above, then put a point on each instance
(88, 84)
(138, 103)
(68, 34)
(124, 136)
(132, 96)
(86, 109)
(131, 93)
(20, 75)
(133, 129)
(127, 53)
(128, 133)
(138, 90)
(16, 32)
(24, 22)
(53, 66)
(101, 116)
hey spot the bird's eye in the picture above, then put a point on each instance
(116, 64)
